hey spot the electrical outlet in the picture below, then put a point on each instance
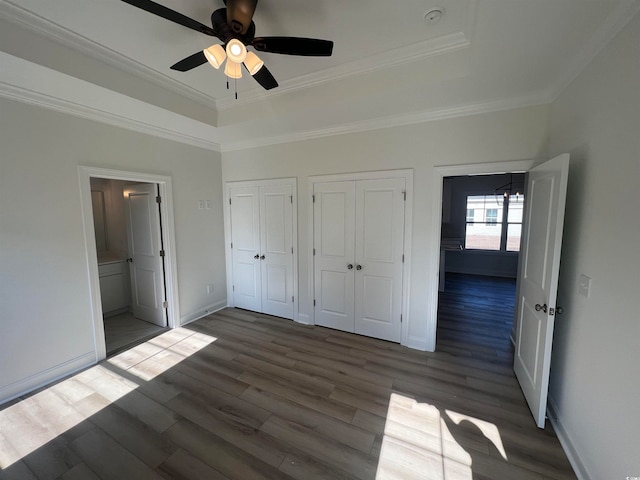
(208, 204)
(584, 285)
(201, 204)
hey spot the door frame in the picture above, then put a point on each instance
(291, 182)
(433, 273)
(407, 174)
(168, 238)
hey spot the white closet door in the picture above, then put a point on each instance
(245, 237)
(379, 240)
(334, 218)
(276, 252)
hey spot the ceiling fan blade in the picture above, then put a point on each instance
(172, 15)
(239, 14)
(192, 61)
(308, 47)
(264, 78)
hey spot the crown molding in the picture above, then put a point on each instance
(65, 106)
(400, 56)
(625, 11)
(50, 30)
(394, 121)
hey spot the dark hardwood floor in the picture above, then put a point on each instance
(238, 395)
(475, 316)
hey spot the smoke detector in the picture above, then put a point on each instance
(434, 15)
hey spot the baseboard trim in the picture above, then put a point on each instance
(50, 375)
(578, 465)
(208, 310)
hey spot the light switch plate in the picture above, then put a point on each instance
(584, 285)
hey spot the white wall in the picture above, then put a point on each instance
(45, 310)
(492, 137)
(595, 370)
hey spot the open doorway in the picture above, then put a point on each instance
(128, 232)
(481, 228)
(131, 270)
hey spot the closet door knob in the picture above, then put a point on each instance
(261, 257)
(350, 266)
(358, 267)
(256, 256)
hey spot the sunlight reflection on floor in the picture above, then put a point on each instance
(417, 443)
(31, 423)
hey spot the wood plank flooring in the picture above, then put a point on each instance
(239, 395)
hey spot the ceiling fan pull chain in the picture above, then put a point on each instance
(236, 85)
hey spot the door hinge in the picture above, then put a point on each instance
(313, 198)
(231, 244)
(403, 258)
(291, 250)
(314, 251)
(292, 299)
(404, 195)
(165, 304)
(291, 197)
(162, 253)
(400, 318)
(229, 200)
(314, 302)
(158, 199)
(233, 288)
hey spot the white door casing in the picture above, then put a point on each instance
(538, 280)
(379, 241)
(359, 246)
(261, 222)
(144, 241)
(334, 259)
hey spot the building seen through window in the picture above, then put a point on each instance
(494, 222)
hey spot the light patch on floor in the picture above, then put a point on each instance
(33, 422)
(418, 444)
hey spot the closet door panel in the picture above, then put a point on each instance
(245, 237)
(379, 239)
(334, 216)
(276, 227)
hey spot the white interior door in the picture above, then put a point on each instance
(143, 236)
(276, 250)
(379, 239)
(334, 258)
(245, 240)
(538, 280)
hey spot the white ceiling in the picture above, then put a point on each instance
(389, 66)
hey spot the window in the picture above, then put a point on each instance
(492, 216)
(470, 213)
(494, 223)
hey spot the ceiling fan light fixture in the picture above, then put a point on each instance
(236, 51)
(253, 63)
(215, 55)
(233, 69)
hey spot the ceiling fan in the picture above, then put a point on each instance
(234, 27)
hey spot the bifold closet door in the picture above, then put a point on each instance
(262, 251)
(358, 256)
